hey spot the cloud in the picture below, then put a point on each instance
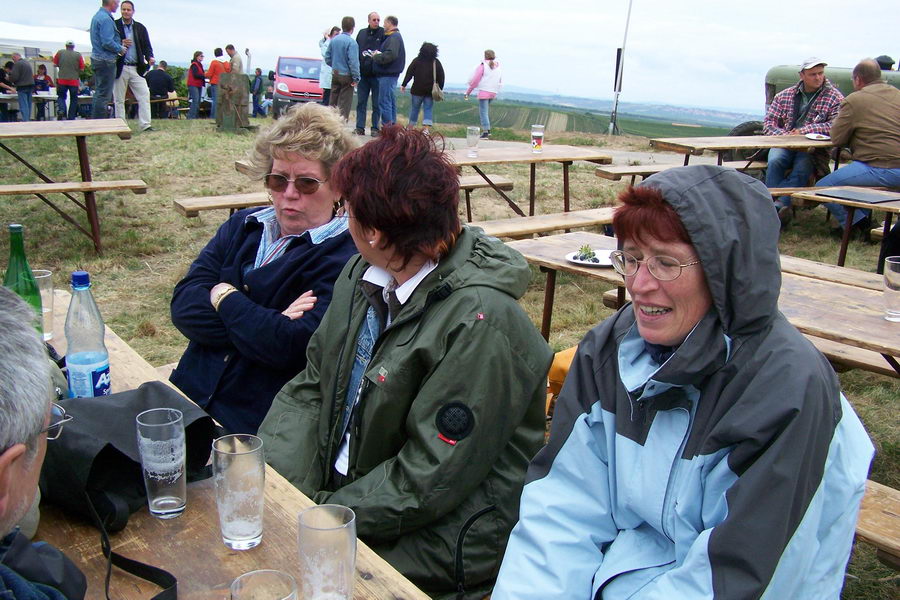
(705, 52)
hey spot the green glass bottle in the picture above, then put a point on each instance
(19, 277)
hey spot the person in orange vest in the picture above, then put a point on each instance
(218, 66)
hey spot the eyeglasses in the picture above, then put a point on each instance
(304, 185)
(58, 418)
(664, 268)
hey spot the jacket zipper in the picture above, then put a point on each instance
(667, 509)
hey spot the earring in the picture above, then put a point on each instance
(372, 242)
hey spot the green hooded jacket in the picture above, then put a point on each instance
(451, 411)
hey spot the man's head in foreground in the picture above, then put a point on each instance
(24, 408)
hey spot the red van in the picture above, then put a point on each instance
(296, 80)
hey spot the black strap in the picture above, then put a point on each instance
(155, 575)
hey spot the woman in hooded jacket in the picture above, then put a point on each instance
(701, 446)
(487, 78)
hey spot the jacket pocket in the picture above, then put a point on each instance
(291, 444)
(635, 558)
(459, 567)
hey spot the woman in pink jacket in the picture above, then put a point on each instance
(487, 78)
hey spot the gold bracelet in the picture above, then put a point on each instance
(221, 296)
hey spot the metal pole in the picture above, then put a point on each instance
(614, 116)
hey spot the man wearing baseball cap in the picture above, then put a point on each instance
(70, 64)
(808, 107)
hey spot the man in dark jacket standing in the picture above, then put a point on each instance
(368, 40)
(131, 66)
(389, 62)
(256, 91)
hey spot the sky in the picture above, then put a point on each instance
(710, 53)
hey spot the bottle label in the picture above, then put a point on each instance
(88, 380)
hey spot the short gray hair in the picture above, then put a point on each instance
(24, 373)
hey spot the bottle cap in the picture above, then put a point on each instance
(15, 227)
(81, 279)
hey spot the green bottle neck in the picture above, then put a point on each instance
(16, 243)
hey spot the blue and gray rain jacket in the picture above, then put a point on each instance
(732, 470)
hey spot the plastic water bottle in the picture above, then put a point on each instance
(19, 278)
(87, 359)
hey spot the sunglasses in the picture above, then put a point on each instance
(304, 185)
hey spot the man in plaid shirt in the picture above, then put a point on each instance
(808, 107)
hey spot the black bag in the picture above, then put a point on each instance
(98, 453)
(93, 469)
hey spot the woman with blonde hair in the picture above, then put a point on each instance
(487, 78)
(253, 297)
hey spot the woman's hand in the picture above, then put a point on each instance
(305, 302)
(216, 290)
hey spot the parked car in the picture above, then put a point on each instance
(296, 79)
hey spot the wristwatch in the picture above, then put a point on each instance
(220, 295)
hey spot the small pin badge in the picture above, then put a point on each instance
(382, 374)
(480, 316)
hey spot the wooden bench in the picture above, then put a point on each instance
(191, 207)
(468, 183)
(135, 185)
(879, 522)
(615, 173)
(841, 356)
(518, 227)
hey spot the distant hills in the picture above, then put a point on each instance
(711, 117)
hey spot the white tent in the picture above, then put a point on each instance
(15, 38)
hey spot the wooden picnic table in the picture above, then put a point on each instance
(522, 153)
(848, 314)
(190, 547)
(890, 208)
(697, 145)
(35, 100)
(80, 129)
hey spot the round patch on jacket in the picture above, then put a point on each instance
(455, 421)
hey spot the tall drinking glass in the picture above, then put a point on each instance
(264, 584)
(327, 543)
(472, 135)
(44, 279)
(892, 289)
(160, 433)
(537, 138)
(239, 472)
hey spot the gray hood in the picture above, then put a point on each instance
(734, 227)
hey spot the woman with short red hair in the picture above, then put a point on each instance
(700, 446)
(423, 398)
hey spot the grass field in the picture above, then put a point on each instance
(148, 248)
